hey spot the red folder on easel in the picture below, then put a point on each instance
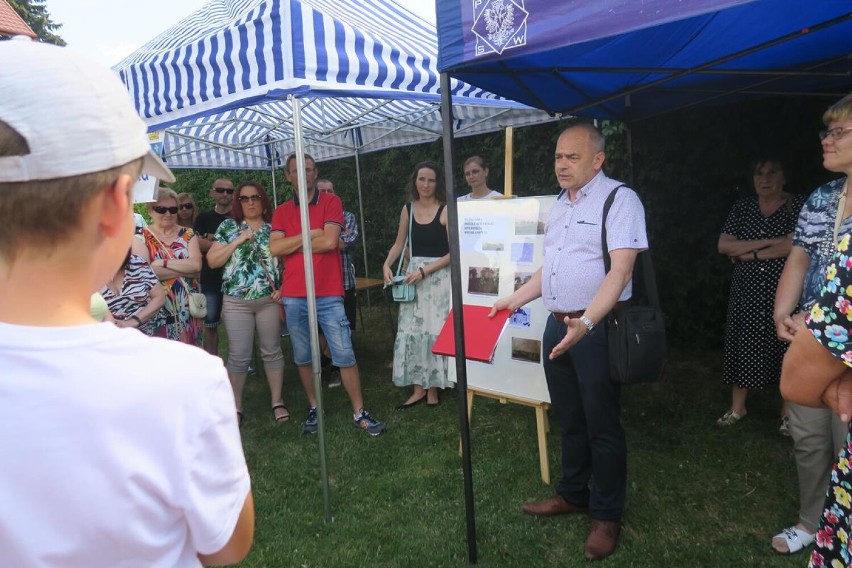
(481, 333)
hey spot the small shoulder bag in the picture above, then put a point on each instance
(402, 291)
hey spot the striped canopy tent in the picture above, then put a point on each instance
(223, 81)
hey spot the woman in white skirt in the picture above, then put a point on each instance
(420, 321)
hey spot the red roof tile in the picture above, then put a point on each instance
(11, 23)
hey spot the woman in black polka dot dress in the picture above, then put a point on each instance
(757, 237)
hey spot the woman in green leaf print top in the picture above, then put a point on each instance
(251, 284)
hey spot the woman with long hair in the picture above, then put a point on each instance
(420, 321)
(187, 212)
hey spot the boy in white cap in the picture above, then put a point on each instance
(117, 449)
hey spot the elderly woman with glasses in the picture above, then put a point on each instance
(816, 282)
(175, 258)
(186, 210)
(251, 283)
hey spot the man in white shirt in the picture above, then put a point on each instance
(118, 449)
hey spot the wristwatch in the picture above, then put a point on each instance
(588, 323)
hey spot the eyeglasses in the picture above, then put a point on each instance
(307, 171)
(227, 190)
(835, 133)
(163, 210)
(247, 198)
(186, 206)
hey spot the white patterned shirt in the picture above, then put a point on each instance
(573, 267)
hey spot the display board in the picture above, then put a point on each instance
(502, 244)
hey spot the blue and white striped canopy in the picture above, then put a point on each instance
(221, 83)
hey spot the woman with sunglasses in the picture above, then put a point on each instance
(186, 210)
(175, 258)
(251, 284)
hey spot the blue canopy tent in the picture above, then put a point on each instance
(630, 59)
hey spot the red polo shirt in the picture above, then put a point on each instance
(324, 208)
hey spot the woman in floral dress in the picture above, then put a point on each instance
(818, 367)
(176, 259)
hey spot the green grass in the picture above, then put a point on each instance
(697, 495)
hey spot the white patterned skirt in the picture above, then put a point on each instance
(420, 322)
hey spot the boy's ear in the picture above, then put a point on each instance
(116, 205)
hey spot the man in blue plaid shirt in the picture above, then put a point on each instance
(348, 238)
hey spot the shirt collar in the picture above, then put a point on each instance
(313, 201)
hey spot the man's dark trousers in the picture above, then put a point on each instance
(587, 405)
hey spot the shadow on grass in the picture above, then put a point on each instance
(697, 495)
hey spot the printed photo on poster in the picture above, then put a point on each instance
(526, 350)
(526, 223)
(541, 226)
(483, 280)
(522, 278)
(522, 252)
(492, 245)
(521, 318)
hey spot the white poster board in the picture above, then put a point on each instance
(144, 190)
(502, 244)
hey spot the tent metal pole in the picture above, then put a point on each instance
(361, 218)
(312, 300)
(458, 319)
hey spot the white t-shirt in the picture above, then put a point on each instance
(116, 449)
(469, 196)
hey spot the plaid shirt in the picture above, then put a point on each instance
(349, 235)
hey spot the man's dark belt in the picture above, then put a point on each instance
(560, 316)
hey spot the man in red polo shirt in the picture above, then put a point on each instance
(325, 212)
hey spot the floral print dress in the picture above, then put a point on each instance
(179, 324)
(830, 321)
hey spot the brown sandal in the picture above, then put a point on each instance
(280, 418)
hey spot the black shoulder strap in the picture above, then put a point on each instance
(643, 270)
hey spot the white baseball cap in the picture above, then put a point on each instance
(76, 115)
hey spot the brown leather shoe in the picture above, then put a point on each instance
(555, 505)
(603, 536)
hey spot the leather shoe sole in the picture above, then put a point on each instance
(602, 539)
(555, 505)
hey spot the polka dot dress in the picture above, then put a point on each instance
(753, 353)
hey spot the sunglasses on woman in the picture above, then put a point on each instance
(163, 210)
(247, 198)
(186, 206)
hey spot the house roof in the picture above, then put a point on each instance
(11, 23)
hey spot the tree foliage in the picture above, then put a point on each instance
(35, 14)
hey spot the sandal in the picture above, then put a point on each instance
(283, 417)
(796, 540)
(728, 419)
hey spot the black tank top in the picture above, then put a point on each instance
(431, 239)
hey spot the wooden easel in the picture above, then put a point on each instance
(541, 422)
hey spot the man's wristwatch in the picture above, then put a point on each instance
(588, 323)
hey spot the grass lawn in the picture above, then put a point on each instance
(697, 495)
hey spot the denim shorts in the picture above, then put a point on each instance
(214, 305)
(333, 322)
